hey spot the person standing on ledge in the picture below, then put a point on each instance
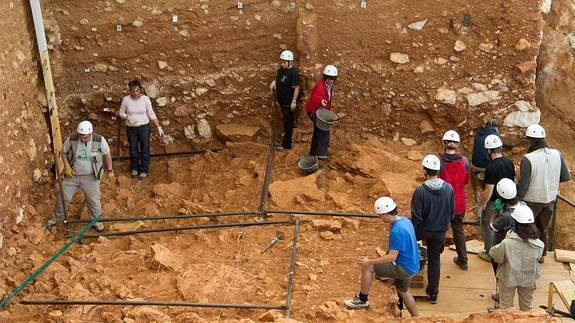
(320, 97)
(137, 110)
(287, 88)
(86, 156)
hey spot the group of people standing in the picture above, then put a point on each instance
(513, 217)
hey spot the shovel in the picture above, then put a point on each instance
(279, 237)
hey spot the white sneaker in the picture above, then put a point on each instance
(356, 303)
(99, 226)
(142, 176)
(51, 223)
(134, 173)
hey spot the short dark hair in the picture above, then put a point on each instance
(134, 83)
(393, 212)
(493, 123)
(497, 150)
(526, 231)
(430, 172)
(329, 77)
(509, 202)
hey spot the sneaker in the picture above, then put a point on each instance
(134, 173)
(432, 299)
(493, 309)
(381, 278)
(495, 297)
(99, 226)
(484, 255)
(50, 223)
(356, 303)
(281, 148)
(323, 157)
(142, 176)
(542, 259)
(462, 265)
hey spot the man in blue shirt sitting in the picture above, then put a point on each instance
(400, 263)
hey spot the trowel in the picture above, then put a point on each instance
(279, 237)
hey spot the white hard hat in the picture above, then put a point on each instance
(492, 142)
(287, 55)
(384, 205)
(451, 135)
(330, 70)
(431, 162)
(535, 131)
(85, 128)
(506, 188)
(523, 214)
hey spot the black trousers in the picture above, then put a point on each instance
(288, 119)
(543, 213)
(435, 242)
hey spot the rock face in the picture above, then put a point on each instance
(284, 196)
(236, 132)
(167, 258)
(446, 96)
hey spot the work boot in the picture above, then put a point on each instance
(134, 173)
(542, 259)
(356, 303)
(484, 255)
(99, 226)
(460, 264)
(142, 176)
(432, 298)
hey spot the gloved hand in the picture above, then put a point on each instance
(68, 171)
(273, 86)
(160, 131)
(132, 121)
(293, 105)
(110, 175)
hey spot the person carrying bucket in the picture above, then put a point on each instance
(320, 98)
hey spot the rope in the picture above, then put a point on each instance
(47, 263)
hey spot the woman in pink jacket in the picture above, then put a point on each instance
(321, 98)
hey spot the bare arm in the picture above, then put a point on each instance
(295, 94)
(485, 195)
(108, 162)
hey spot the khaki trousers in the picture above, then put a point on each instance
(90, 185)
(507, 294)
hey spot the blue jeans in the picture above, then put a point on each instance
(139, 140)
(484, 225)
(319, 139)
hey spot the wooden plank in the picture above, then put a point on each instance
(473, 246)
(565, 255)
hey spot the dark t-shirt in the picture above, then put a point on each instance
(496, 170)
(285, 81)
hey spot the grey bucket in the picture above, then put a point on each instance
(325, 119)
(308, 164)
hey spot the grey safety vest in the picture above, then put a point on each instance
(97, 160)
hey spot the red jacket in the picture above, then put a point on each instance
(455, 171)
(318, 93)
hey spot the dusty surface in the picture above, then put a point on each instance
(408, 72)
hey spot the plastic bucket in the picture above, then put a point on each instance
(325, 119)
(308, 164)
(422, 257)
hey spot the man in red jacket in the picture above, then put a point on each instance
(455, 170)
(321, 98)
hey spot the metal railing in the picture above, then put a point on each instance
(554, 219)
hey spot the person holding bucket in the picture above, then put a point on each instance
(320, 98)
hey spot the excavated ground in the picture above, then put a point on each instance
(210, 70)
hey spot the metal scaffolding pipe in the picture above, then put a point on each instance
(357, 215)
(292, 268)
(265, 189)
(208, 226)
(181, 153)
(564, 199)
(151, 303)
(171, 217)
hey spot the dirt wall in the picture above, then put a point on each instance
(24, 156)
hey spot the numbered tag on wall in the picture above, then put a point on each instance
(363, 4)
(292, 5)
(240, 4)
(118, 27)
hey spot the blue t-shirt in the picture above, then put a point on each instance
(402, 239)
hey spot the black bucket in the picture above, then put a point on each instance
(308, 164)
(422, 257)
(325, 119)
